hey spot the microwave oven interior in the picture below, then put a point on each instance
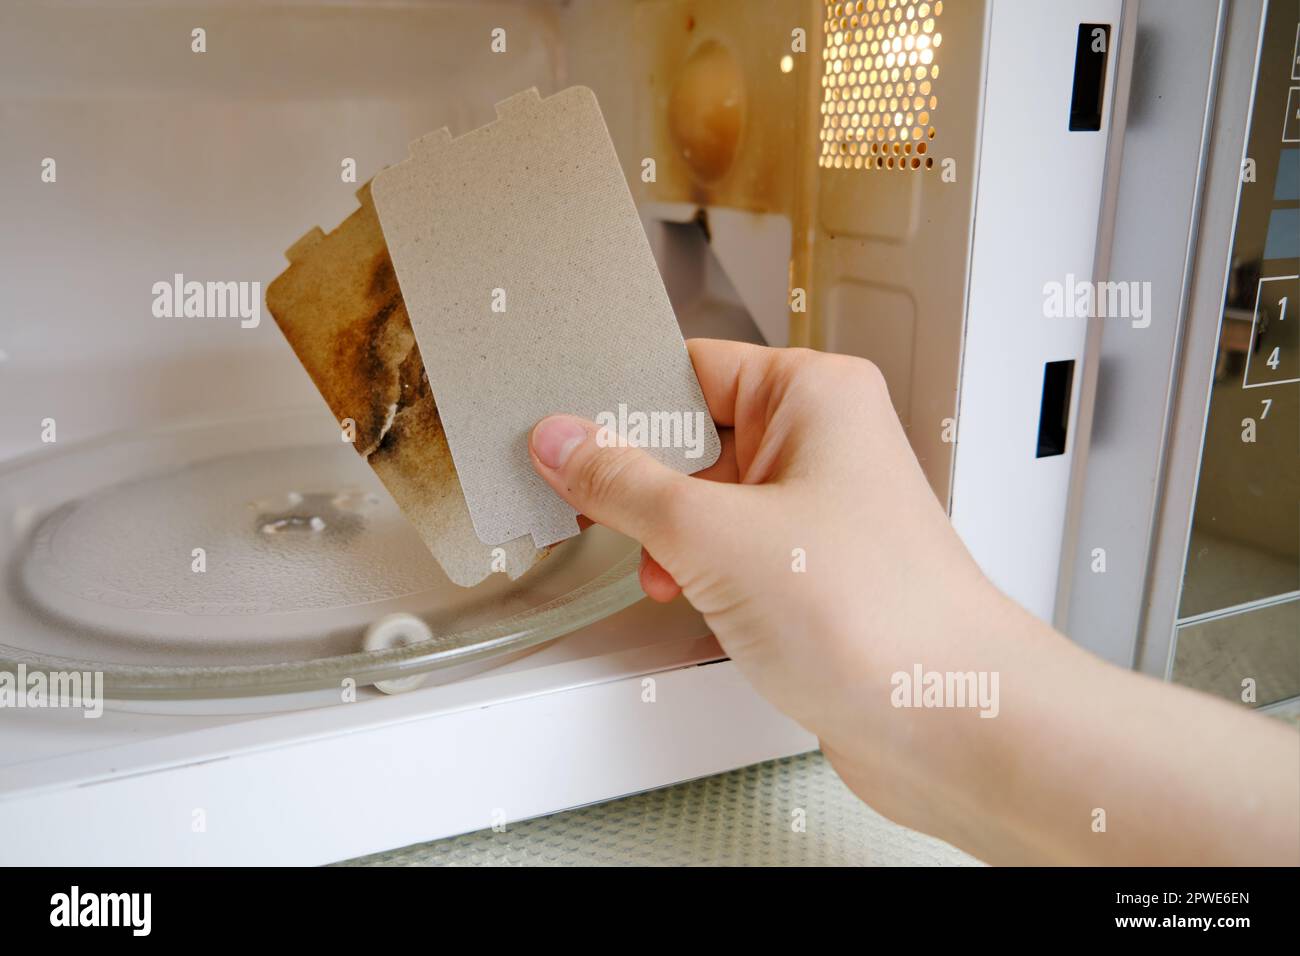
(892, 179)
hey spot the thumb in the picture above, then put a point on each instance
(620, 487)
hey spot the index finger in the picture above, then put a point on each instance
(723, 368)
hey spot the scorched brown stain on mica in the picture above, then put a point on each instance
(341, 309)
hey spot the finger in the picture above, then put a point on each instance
(657, 583)
(725, 469)
(622, 488)
(723, 369)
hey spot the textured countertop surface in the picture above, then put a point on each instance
(747, 817)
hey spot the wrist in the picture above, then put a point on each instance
(934, 740)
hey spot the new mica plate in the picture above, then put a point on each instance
(249, 557)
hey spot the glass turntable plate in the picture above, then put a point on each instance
(303, 550)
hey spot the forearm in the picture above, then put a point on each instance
(1083, 763)
(1180, 777)
(1090, 763)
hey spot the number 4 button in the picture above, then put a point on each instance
(1274, 354)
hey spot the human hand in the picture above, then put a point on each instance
(814, 464)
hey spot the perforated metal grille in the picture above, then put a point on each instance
(878, 84)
